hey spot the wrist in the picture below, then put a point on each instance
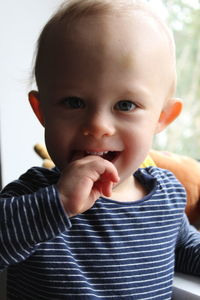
(64, 201)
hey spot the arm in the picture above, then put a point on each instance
(188, 249)
(28, 217)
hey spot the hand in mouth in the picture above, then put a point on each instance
(108, 155)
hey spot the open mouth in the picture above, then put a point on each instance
(108, 155)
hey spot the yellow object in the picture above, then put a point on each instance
(42, 152)
(148, 162)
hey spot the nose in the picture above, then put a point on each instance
(98, 125)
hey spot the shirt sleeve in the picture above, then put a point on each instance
(188, 249)
(27, 220)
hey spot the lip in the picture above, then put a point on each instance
(110, 155)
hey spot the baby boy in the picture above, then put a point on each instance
(97, 226)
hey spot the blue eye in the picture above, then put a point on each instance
(74, 102)
(125, 105)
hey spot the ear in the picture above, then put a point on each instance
(34, 100)
(170, 112)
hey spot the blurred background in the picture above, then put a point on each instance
(183, 136)
(20, 23)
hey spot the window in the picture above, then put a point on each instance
(183, 136)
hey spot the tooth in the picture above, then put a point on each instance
(96, 153)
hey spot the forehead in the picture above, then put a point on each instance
(125, 38)
(106, 26)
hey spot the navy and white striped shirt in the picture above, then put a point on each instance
(115, 250)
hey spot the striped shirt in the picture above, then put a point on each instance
(115, 250)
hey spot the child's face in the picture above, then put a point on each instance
(103, 89)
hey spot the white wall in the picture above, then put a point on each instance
(20, 24)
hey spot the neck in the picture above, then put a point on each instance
(129, 189)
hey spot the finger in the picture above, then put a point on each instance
(96, 167)
(107, 189)
(110, 174)
(104, 187)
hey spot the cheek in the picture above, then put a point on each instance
(137, 149)
(137, 145)
(57, 141)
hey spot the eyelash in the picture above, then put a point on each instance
(127, 105)
(78, 103)
(74, 103)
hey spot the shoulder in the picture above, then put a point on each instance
(162, 176)
(34, 179)
(44, 175)
(165, 182)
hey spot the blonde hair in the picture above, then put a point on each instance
(71, 11)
